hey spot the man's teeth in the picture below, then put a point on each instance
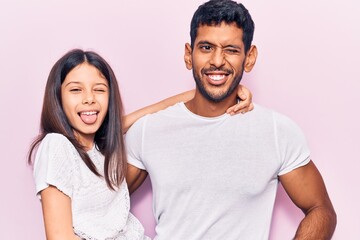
(89, 113)
(216, 77)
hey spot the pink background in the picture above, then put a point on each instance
(308, 68)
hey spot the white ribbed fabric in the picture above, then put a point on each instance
(98, 213)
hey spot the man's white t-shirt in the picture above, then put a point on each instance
(215, 178)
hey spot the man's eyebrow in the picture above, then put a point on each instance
(205, 42)
(233, 46)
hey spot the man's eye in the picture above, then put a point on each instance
(205, 47)
(232, 51)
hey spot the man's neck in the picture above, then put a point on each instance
(201, 106)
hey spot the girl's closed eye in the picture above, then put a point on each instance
(101, 90)
(75, 90)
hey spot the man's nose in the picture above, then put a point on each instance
(218, 58)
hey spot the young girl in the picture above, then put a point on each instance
(80, 163)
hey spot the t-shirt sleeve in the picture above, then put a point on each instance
(134, 143)
(293, 149)
(55, 164)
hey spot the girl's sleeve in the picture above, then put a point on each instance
(55, 164)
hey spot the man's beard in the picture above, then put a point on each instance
(216, 97)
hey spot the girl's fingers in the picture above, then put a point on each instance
(240, 107)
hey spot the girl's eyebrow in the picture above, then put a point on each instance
(102, 83)
(75, 82)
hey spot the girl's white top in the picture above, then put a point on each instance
(98, 213)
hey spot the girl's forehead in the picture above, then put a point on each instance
(84, 73)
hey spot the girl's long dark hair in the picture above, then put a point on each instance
(109, 137)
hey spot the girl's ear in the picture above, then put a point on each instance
(250, 58)
(188, 56)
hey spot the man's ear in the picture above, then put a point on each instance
(188, 56)
(250, 58)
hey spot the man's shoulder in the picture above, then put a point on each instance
(263, 113)
(279, 119)
(263, 110)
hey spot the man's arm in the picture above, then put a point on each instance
(307, 190)
(135, 177)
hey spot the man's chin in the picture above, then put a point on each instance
(215, 95)
(216, 98)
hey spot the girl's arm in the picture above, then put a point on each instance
(129, 119)
(243, 106)
(57, 215)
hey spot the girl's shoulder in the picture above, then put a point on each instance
(56, 163)
(55, 143)
(55, 139)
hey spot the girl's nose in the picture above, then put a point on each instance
(88, 98)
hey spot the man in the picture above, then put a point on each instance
(215, 176)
